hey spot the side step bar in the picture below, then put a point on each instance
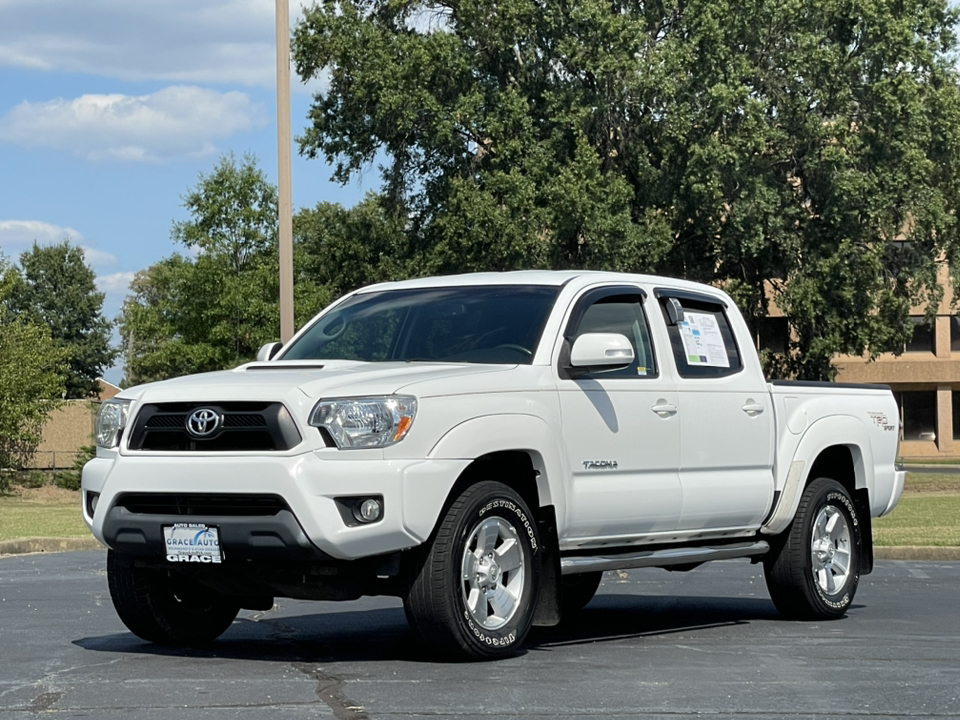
(660, 558)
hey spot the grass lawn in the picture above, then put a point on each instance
(41, 512)
(928, 513)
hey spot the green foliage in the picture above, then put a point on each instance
(70, 479)
(781, 142)
(55, 288)
(348, 248)
(33, 479)
(32, 369)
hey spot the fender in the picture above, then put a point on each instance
(495, 433)
(845, 430)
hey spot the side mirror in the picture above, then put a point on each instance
(595, 352)
(268, 351)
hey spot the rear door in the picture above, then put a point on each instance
(726, 416)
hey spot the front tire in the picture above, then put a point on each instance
(813, 573)
(474, 594)
(165, 606)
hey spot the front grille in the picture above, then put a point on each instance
(189, 504)
(246, 427)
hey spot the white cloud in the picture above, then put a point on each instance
(182, 41)
(98, 258)
(17, 235)
(116, 283)
(173, 123)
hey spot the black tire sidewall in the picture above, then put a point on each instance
(497, 501)
(829, 492)
(146, 601)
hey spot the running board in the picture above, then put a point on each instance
(659, 558)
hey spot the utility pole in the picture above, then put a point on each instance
(285, 173)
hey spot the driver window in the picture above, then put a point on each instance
(622, 314)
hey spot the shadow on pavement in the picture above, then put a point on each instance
(383, 634)
(618, 617)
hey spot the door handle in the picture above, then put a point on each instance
(752, 408)
(664, 409)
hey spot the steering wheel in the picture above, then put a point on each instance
(514, 346)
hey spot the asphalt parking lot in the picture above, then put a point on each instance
(651, 644)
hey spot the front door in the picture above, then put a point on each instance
(621, 431)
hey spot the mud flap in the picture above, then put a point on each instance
(547, 612)
(861, 502)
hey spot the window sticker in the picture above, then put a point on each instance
(702, 341)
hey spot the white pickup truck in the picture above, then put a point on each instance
(484, 447)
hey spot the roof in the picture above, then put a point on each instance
(534, 277)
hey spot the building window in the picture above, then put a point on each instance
(773, 334)
(918, 414)
(922, 339)
(956, 414)
(955, 334)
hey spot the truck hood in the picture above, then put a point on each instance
(315, 379)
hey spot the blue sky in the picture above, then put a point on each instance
(111, 109)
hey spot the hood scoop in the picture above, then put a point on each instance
(283, 366)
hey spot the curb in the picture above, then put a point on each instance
(27, 546)
(916, 552)
(24, 546)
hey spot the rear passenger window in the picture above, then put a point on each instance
(703, 343)
(621, 314)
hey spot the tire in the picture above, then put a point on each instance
(165, 606)
(474, 593)
(577, 591)
(814, 570)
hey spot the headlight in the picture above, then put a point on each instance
(111, 419)
(365, 422)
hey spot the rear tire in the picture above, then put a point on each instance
(814, 570)
(474, 594)
(165, 606)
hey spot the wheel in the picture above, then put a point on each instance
(164, 606)
(814, 570)
(577, 591)
(474, 593)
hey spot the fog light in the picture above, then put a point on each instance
(92, 499)
(368, 511)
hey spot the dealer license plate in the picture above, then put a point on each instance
(192, 542)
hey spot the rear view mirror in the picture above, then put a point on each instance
(268, 351)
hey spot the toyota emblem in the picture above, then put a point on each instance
(203, 422)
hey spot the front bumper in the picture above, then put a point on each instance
(413, 494)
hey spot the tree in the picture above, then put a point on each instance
(340, 249)
(188, 315)
(32, 370)
(54, 287)
(775, 146)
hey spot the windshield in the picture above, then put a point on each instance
(487, 324)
